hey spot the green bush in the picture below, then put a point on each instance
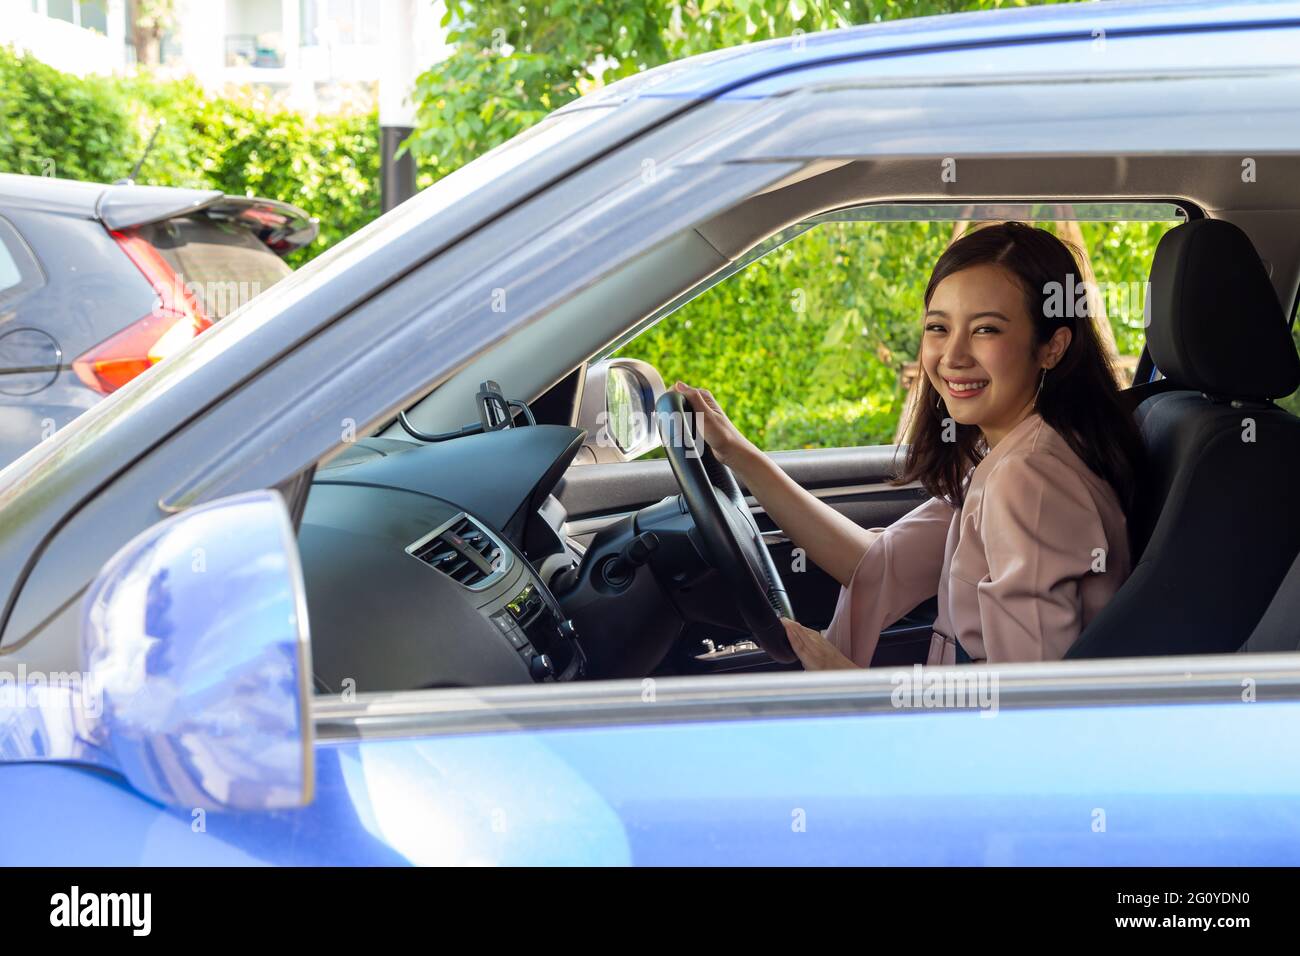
(249, 144)
(244, 143)
(840, 424)
(816, 329)
(57, 124)
(1121, 254)
(805, 347)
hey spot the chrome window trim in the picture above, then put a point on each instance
(1088, 683)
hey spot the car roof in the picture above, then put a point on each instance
(713, 74)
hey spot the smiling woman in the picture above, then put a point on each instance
(996, 348)
(1021, 440)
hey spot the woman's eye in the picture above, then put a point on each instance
(935, 327)
(988, 328)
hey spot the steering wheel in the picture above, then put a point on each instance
(730, 534)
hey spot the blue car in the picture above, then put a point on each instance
(306, 592)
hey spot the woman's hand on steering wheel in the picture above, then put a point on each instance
(729, 446)
(729, 538)
(813, 650)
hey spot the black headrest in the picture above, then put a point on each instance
(1215, 323)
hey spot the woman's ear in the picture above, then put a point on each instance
(1055, 348)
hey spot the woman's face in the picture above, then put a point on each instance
(978, 349)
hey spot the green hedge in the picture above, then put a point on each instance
(805, 347)
(57, 124)
(846, 423)
(96, 129)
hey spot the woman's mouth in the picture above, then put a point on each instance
(965, 387)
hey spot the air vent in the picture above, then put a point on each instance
(465, 551)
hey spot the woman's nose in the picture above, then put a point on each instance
(956, 353)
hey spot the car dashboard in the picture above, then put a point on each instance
(422, 562)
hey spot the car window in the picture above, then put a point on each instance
(224, 264)
(9, 274)
(19, 271)
(812, 339)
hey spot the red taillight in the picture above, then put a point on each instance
(175, 320)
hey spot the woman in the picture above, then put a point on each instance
(1021, 440)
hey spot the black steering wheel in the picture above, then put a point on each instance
(735, 546)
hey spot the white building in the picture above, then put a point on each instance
(72, 36)
(318, 53)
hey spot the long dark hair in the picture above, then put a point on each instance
(1080, 396)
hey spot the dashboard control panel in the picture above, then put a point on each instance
(541, 636)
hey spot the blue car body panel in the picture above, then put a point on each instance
(1191, 784)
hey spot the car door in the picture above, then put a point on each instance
(29, 354)
(1072, 764)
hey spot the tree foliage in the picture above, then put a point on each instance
(53, 123)
(806, 346)
(250, 144)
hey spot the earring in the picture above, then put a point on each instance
(938, 400)
(1041, 380)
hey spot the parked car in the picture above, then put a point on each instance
(100, 282)
(306, 635)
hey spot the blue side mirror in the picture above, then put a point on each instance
(196, 666)
(195, 636)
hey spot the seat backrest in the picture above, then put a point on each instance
(1279, 629)
(1133, 397)
(1217, 525)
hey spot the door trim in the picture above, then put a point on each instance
(1088, 683)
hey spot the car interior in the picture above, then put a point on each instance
(506, 528)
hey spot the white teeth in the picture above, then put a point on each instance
(966, 388)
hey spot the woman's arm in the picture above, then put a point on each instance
(833, 542)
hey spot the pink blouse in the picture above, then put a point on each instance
(1038, 548)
